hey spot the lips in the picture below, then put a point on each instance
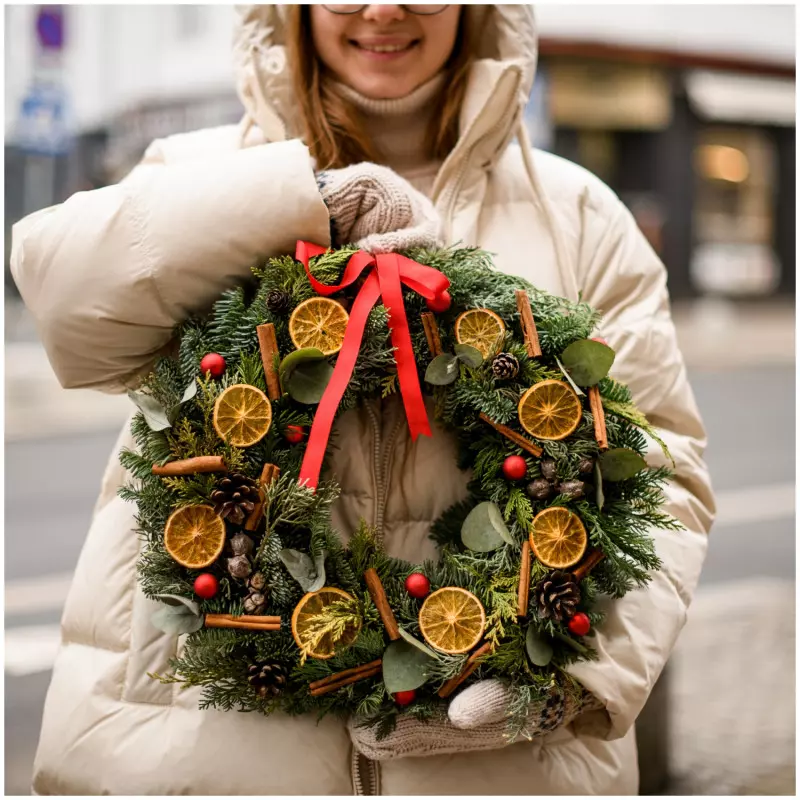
(384, 47)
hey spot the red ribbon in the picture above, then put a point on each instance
(384, 281)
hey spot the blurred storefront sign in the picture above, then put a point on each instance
(597, 94)
(132, 131)
(750, 99)
(42, 127)
(735, 269)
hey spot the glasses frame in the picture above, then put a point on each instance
(358, 9)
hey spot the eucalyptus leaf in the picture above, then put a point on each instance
(405, 667)
(600, 498)
(308, 381)
(577, 389)
(421, 646)
(297, 357)
(587, 361)
(484, 529)
(442, 370)
(189, 392)
(470, 355)
(309, 574)
(177, 616)
(177, 601)
(620, 463)
(154, 413)
(540, 651)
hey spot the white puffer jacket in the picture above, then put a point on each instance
(109, 272)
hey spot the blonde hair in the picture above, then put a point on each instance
(333, 128)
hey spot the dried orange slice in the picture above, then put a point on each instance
(452, 620)
(558, 537)
(319, 322)
(242, 415)
(481, 328)
(194, 536)
(549, 410)
(306, 624)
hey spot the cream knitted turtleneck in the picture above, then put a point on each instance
(399, 129)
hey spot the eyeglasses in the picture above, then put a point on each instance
(422, 11)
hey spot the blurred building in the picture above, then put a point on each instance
(686, 111)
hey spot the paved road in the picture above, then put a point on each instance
(51, 485)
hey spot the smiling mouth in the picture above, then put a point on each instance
(385, 48)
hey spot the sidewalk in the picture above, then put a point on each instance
(713, 336)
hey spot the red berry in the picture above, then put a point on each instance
(213, 363)
(515, 468)
(579, 624)
(440, 303)
(404, 698)
(417, 585)
(206, 585)
(600, 339)
(294, 433)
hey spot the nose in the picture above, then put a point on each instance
(383, 13)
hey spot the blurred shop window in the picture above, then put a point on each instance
(189, 21)
(734, 213)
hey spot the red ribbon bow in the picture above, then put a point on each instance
(384, 281)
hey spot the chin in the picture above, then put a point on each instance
(383, 88)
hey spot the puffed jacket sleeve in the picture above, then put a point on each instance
(108, 273)
(621, 276)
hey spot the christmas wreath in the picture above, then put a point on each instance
(238, 547)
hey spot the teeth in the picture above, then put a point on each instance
(384, 48)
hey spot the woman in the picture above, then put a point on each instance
(108, 273)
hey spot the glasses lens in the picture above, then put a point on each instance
(425, 10)
(344, 8)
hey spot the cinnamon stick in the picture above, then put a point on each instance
(587, 565)
(191, 466)
(378, 595)
(524, 580)
(517, 438)
(244, 623)
(529, 332)
(356, 673)
(268, 345)
(269, 473)
(345, 681)
(470, 667)
(431, 333)
(599, 417)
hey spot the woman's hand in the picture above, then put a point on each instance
(377, 210)
(477, 720)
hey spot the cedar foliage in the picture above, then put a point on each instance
(217, 659)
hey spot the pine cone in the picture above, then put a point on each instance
(548, 469)
(539, 489)
(254, 603)
(572, 489)
(268, 678)
(241, 544)
(585, 465)
(239, 567)
(557, 596)
(235, 497)
(257, 582)
(278, 302)
(505, 366)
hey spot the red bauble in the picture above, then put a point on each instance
(515, 468)
(579, 624)
(600, 339)
(440, 303)
(213, 363)
(206, 585)
(417, 585)
(404, 698)
(294, 433)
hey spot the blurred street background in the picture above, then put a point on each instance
(687, 111)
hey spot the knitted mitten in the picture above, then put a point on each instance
(377, 210)
(470, 727)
